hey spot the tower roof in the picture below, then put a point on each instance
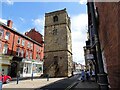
(56, 12)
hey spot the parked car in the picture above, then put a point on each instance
(6, 78)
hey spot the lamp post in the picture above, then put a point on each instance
(102, 76)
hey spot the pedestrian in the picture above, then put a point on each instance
(87, 75)
(83, 76)
(93, 75)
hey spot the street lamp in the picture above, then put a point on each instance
(102, 76)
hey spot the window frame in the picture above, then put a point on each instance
(55, 18)
(18, 52)
(2, 31)
(23, 42)
(7, 37)
(19, 39)
(5, 49)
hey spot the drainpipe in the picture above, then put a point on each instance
(102, 76)
(13, 44)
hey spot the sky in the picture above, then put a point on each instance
(28, 15)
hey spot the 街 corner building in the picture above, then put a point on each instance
(20, 52)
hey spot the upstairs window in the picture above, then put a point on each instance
(30, 55)
(1, 33)
(23, 42)
(5, 49)
(22, 53)
(31, 46)
(19, 40)
(7, 36)
(55, 18)
(18, 52)
(28, 45)
(27, 54)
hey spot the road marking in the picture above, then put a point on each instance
(72, 85)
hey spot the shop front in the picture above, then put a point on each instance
(5, 62)
(29, 67)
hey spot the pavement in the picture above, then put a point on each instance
(30, 84)
(90, 85)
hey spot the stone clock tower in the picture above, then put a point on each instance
(58, 44)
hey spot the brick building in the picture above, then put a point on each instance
(108, 22)
(19, 52)
(35, 35)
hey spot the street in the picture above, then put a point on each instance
(62, 84)
(66, 83)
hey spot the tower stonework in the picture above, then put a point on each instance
(58, 44)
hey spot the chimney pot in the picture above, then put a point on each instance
(9, 23)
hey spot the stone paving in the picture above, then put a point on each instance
(29, 84)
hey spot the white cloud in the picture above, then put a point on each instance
(39, 24)
(9, 2)
(83, 1)
(79, 36)
(22, 19)
(3, 21)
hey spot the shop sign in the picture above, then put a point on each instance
(89, 56)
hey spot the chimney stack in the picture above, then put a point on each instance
(9, 23)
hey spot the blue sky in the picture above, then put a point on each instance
(27, 15)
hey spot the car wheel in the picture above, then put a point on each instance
(8, 80)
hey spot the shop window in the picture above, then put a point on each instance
(1, 33)
(7, 36)
(27, 68)
(19, 40)
(5, 49)
(55, 18)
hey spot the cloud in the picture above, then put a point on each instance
(9, 2)
(83, 1)
(3, 21)
(39, 24)
(22, 19)
(79, 36)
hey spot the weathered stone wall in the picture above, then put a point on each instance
(56, 67)
(58, 45)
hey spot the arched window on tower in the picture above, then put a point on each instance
(55, 18)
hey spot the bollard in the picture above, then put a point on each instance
(47, 77)
(0, 85)
(32, 77)
(18, 75)
(17, 79)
